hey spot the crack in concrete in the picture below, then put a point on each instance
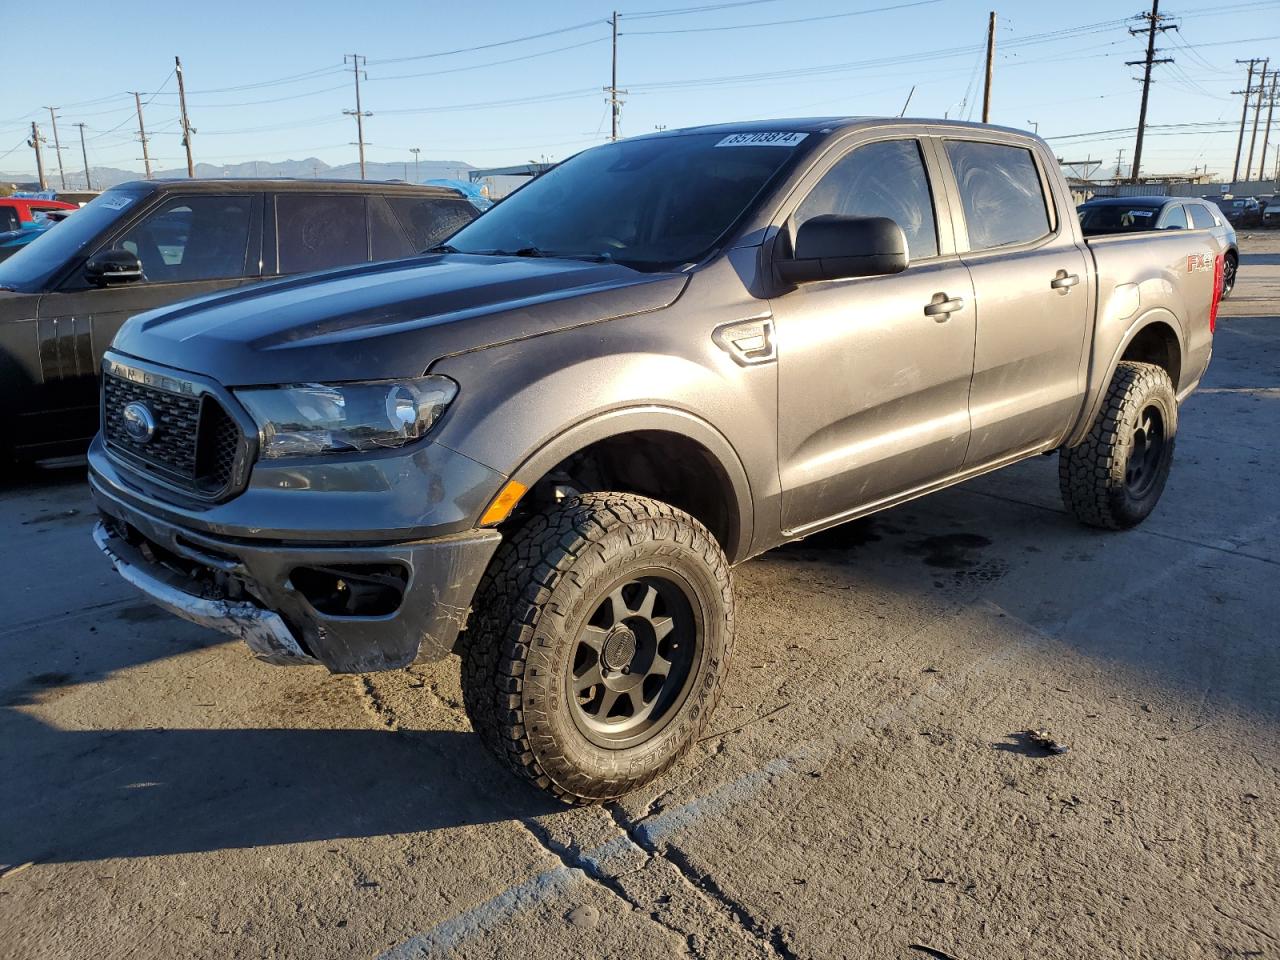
(705, 886)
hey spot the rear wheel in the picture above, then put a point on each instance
(1115, 477)
(1230, 263)
(599, 641)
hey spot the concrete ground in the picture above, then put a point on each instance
(863, 791)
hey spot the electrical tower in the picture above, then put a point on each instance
(1155, 24)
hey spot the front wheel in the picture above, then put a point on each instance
(598, 645)
(1114, 478)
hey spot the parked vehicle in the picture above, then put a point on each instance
(547, 444)
(147, 244)
(1241, 212)
(1103, 216)
(17, 213)
(1271, 214)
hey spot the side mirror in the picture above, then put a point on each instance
(832, 247)
(113, 266)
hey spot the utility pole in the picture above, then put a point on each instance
(57, 145)
(1271, 109)
(1244, 114)
(1253, 138)
(416, 175)
(991, 67)
(614, 101)
(88, 184)
(356, 62)
(34, 143)
(142, 134)
(187, 129)
(1120, 165)
(1153, 26)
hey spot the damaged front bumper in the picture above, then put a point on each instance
(276, 598)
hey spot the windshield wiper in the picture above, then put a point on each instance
(443, 248)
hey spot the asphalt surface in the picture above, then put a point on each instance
(864, 791)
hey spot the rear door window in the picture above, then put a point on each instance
(316, 231)
(1174, 218)
(387, 237)
(1201, 218)
(1001, 192)
(884, 179)
(431, 220)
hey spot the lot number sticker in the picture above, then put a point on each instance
(762, 140)
(117, 202)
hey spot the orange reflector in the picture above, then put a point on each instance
(503, 503)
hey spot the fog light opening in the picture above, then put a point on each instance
(352, 590)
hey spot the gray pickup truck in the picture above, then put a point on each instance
(545, 443)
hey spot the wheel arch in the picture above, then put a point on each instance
(1154, 337)
(708, 478)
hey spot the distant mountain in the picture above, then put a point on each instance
(304, 169)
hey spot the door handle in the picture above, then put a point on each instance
(942, 307)
(1064, 281)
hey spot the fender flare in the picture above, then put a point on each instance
(1097, 389)
(653, 417)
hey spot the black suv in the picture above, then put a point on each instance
(148, 244)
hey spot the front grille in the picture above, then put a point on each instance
(196, 442)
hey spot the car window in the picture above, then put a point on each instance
(1116, 218)
(316, 231)
(386, 237)
(885, 179)
(1174, 218)
(1000, 188)
(9, 218)
(430, 220)
(192, 238)
(1200, 216)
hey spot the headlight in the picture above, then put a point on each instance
(311, 418)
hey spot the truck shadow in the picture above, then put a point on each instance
(89, 795)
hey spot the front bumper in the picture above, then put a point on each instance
(247, 589)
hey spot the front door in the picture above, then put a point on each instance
(1033, 314)
(189, 246)
(873, 391)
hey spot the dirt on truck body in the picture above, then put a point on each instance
(545, 443)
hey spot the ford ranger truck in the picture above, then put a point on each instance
(545, 443)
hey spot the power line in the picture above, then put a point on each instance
(496, 43)
(779, 23)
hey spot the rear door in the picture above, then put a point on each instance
(189, 245)
(873, 392)
(1030, 282)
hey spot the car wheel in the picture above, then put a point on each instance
(1114, 478)
(1230, 263)
(599, 641)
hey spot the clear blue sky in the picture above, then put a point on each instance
(470, 106)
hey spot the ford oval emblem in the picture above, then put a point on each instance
(139, 422)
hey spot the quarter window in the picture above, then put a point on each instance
(320, 230)
(1000, 189)
(1201, 218)
(192, 238)
(387, 236)
(885, 179)
(9, 219)
(430, 221)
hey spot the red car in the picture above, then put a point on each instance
(19, 212)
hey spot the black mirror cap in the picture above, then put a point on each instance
(113, 266)
(833, 247)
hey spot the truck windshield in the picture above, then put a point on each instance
(649, 203)
(30, 268)
(1117, 218)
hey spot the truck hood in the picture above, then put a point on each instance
(386, 320)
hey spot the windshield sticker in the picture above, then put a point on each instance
(1142, 213)
(762, 140)
(118, 202)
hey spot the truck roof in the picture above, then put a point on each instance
(288, 184)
